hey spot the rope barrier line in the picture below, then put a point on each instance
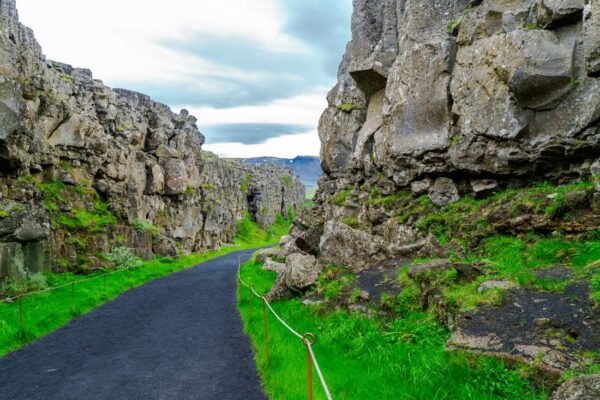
(20, 296)
(304, 338)
(289, 328)
(318, 369)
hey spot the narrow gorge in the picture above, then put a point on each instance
(85, 168)
(451, 251)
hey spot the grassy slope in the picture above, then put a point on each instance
(469, 236)
(365, 358)
(43, 313)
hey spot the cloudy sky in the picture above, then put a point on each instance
(254, 72)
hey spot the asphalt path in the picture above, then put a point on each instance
(176, 337)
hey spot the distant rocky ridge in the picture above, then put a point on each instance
(307, 168)
(84, 168)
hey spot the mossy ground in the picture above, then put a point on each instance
(542, 239)
(477, 230)
(371, 357)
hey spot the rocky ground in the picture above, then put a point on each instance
(85, 168)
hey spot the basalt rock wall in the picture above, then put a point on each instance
(454, 122)
(85, 168)
(447, 98)
(501, 89)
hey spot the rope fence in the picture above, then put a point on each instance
(22, 296)
(308, 339)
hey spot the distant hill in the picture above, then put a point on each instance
(308, 168)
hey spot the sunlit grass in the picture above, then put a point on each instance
(369, 358)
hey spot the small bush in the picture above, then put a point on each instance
(454, 25)
(35, 282)
(143, 225)
(123, 257)
(340, 197)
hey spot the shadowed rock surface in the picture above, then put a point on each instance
(531, 324)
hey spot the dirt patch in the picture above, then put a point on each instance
(379, 280)
(552, 328)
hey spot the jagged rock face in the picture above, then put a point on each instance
(501, 89)
(579, 388)
(459, 97)
(454, 98)
(58, 124)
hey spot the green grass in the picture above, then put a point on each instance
(340, 197)
(95, 221)
(43, 313)
(453, 25)
(369, 358)
(250, 234)
(310, 192)
(143, 225)
(245, 181)
(286, 180)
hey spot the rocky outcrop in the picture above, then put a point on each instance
(444, 123)
(77, 156)
(579, 388)
(550, 328)
(498, 89)
(457, 98)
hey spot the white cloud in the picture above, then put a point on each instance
(285, 147)
(119, 40)
(301, 110)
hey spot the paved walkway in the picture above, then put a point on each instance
(177, 337)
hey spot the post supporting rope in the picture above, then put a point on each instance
(307, 339)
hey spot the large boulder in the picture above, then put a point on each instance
(355, 249)
(32, 229)
(176, 178)
(266, 254)
(301, 272)
(443, 192)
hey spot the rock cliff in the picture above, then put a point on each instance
(84, 168)
(454, 122)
